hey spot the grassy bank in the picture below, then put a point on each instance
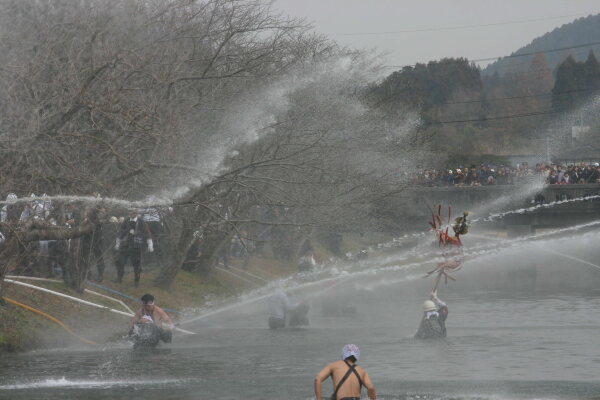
(23, 330)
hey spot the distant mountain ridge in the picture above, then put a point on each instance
(581, 31)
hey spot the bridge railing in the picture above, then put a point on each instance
(565, 192)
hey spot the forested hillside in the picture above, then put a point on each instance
(463, 111)
(570, 38)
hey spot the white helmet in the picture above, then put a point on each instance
(429, 305)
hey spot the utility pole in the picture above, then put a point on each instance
(548, 150)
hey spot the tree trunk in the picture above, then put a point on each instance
(78, 263)
(40, 232)
(212, 247)
(169, 271)
(3, 271)
(10, 254)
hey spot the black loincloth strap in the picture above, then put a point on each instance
(351, 369)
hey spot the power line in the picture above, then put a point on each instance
(453, 28)
(512, 55)
(512, 97)
(502, 117)
(493, 99)
(541, 51)
(520, 97)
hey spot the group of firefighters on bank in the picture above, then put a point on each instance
(137, 232)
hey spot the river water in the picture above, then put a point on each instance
(523, 324)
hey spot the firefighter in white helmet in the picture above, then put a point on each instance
(433, 323)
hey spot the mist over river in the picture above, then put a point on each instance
(522, 325)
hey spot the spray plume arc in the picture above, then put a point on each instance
(574, 258)
(329, 282)
(97, 200)
(438, 257)
(492, 217)
(444, 263)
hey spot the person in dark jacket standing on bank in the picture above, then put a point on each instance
(133, 236)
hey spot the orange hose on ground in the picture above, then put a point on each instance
(51, 318)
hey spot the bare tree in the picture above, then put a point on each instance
(78, 260)
(221, 104)
(125, 96)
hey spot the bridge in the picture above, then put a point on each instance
(482, 201)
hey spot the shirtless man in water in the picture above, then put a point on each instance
(149, 313)
(348, 378)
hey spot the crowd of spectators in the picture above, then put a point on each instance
(48, 258)
(508, 175)
(148, 228)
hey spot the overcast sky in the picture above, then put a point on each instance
(439, 28)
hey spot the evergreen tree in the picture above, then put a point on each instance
(541, 74)
(592, 71)
(580, 31)
(576, 83)
(428, 87)
(566, 86)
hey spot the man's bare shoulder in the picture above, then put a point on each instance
(333, 366)
(159, 311)
(338, 364)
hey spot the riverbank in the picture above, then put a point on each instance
(24, 330)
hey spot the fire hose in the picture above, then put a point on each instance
(51, 318)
